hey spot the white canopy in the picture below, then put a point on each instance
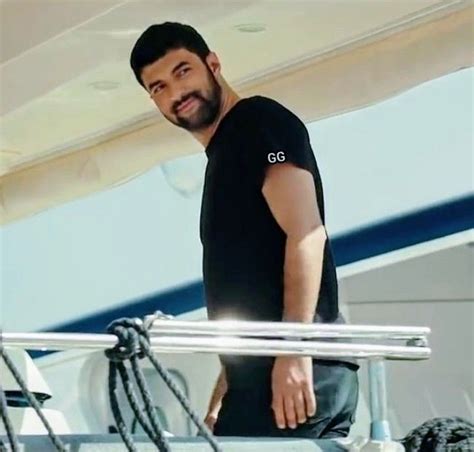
(319, 60)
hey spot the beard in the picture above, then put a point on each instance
(207, 109)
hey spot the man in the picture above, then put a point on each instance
(266, 255)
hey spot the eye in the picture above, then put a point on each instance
(156, 89)
(183, 71)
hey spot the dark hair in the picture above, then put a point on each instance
(158, 39)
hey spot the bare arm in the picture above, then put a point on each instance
(216, 399)
(290, 194)
(291, 197)
(302, 275)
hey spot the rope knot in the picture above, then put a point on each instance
(128, 332)
(134, 342)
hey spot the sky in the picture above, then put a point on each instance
(408, 152)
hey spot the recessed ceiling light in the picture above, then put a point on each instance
(250, 28)
(104, 85)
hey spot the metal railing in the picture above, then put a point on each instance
(264, 339)
(283, 329)
(220, 345)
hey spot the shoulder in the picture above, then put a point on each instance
(263, 104)
(269, 112)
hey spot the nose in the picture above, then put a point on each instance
(178, 98)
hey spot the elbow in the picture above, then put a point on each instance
(308, 247)
(311, 235)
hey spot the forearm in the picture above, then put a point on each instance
(219, 390)
(303, 268)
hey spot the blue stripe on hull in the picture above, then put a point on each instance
(379, 238)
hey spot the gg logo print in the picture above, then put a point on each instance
(274, 157)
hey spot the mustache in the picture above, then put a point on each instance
(188, 97)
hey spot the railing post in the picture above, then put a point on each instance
(379, 427)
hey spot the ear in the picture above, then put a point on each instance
(214, 63)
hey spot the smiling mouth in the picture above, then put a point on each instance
(188, 104)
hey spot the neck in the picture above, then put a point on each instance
(227, 102)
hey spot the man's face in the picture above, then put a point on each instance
(183, 89)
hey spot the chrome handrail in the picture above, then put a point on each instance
(264, 339)
(282, 329)
(220, 345)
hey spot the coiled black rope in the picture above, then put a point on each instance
(442, 434)
(58, 444)
(134, 344)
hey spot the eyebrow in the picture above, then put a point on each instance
(175, 69)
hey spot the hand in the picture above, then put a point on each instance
(292, 388)
(211, 419)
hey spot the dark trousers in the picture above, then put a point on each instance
(246, 407)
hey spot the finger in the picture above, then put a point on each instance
(310, 400)
(290, 414)
(278, 409)
(300, 407)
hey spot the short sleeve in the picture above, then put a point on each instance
(279, 136)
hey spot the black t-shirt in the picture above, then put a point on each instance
(243, 245)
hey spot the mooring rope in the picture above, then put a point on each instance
(58, 444)
(442, 434)
(134, 344)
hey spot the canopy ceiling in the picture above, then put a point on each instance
(74, 120)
